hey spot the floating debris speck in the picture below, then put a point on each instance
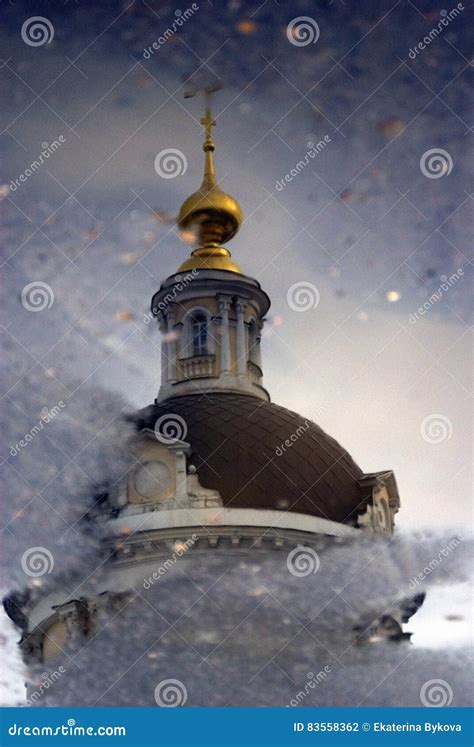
(391, 127)
(128, 258)
(247, 26)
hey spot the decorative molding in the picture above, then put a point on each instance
(382, 503)
(237, 517)
(75, 615)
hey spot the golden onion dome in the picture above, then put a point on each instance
(213, 215)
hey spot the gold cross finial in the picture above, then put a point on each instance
(214, 216)
(207, 121)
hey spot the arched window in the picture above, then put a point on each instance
(198, 324)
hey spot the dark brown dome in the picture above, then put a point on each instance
(238, 447)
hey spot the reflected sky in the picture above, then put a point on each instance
(444, 621)
(361, 222)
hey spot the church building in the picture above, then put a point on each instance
(219, 467)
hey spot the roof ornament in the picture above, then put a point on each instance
(211, 214)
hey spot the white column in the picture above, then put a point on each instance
(258, 349)
(164, 351)
(224, 304)
(171, 345)
(241, 347)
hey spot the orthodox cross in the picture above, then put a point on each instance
(207, 121)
